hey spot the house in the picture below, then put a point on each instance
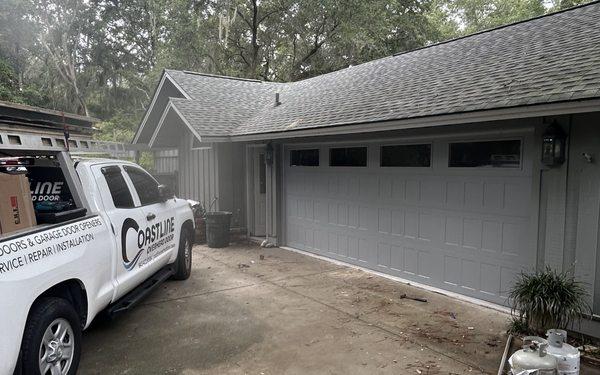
(454, 166)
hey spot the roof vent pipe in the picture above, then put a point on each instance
(277, 102)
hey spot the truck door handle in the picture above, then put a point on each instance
(150, 217)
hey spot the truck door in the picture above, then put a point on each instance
(127, 220)
(160, 238)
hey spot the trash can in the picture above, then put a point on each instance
(217, 228)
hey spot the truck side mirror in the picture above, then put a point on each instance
(165, 192)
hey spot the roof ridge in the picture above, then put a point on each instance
(497, 28)
(221, 76)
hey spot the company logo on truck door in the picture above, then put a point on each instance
(152, 241)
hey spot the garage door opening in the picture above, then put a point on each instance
(455, 214)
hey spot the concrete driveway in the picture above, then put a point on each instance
(288, 313)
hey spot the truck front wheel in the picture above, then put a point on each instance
(183, 264)
(52, 339)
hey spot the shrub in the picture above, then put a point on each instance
(547, 299)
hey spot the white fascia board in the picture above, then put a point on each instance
(553, 109)
(165, 77)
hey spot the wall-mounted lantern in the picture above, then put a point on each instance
(553, 145)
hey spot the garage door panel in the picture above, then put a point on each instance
(384, 255)
(452, 271)
(467, 230)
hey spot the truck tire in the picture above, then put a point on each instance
(52, 339)
(183, 264)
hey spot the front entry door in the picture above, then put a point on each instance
(260, 192)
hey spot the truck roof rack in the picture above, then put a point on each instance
(43, 143)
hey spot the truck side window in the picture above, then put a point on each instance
(119, 190)
(145, 185)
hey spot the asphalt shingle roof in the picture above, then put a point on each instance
(544, 60)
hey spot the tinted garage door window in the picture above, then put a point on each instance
(467, 230)
(348, 157)
(406, 156)
(499, 154)
(304, 158)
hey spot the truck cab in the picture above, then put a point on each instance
(106, 234)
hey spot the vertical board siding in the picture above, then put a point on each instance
(583, 206)
(166, 161)
(214, 176)
(196, 173)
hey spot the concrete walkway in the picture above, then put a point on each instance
(293, 314)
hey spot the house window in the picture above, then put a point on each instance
(497, 154)
(304, 158)
(348, 157)
(406, 156)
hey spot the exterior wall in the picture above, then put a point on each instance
(583, 195)
(570, 206)
(166, 161)
(231, 181)
(198, 173)
(167, 91)
(166, 168)
(214, 175)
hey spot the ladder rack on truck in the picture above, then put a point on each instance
(76, 145)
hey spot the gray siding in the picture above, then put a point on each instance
(166, 161)
(215, 176)
(197, 173)
(570, 206)
(168, 90)
(232, 181)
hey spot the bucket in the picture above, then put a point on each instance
(217, 228)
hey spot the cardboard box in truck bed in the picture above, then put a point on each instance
(16, 208)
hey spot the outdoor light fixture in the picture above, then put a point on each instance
(553, 145)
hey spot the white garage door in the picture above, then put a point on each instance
(453, 214)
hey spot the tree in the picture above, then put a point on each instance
(104, 57)
(62, 27)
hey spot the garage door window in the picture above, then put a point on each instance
(304, 158)
(348, 157)
(406, 156)
(498, 154)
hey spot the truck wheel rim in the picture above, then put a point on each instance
(188, 254)
(57, 348)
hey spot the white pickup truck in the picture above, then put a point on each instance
(111, 235)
